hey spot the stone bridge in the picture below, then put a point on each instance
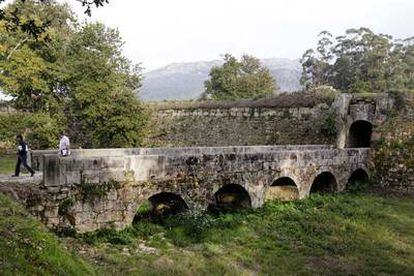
(93, 189)
(98, 188)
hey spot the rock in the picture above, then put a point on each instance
(142, 248)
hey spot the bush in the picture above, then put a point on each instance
(39, 129)
(328, 128)
(10, 125)
(108, 235)
(44, 130)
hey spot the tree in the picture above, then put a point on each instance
(316, 64)
(235, 79)
(359, 61)
(104, 109)
(403, 72)
(33, 28)
(30, 66)
(75, 74)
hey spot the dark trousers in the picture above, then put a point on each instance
(22, 160)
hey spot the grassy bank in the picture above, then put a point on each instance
(339, 234)
(7, 164)
(27, 248)
(345, 234)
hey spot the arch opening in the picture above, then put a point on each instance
(324, 183)
(230, 198)
(283, 188)
(358, 177)
(360, 134)
(161, 205)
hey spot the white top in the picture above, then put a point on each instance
(64, 144)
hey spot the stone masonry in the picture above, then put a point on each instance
(100, 188)
(194, 174)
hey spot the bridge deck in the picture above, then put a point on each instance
(37, 155)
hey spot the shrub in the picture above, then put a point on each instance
(39, 129)
(328, 128)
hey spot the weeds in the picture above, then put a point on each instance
(283, 100)
(350, 233)
(328, 128)
(65, 205)
(323, 227)
(89, 191)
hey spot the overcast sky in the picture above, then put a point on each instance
(159, 32)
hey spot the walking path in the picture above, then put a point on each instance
(22, 179)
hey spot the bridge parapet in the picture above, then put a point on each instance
(38, 155)
(147, 165)
(194, 174)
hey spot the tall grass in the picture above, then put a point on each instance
(27, 248)
(345, 234)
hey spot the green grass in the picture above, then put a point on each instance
(7, 164)
(341, 234)
(27, 248)
(332, 234)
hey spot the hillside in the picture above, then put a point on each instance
(183, 81)
(318, 235)
(28, 248)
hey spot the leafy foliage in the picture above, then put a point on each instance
(360, 61)
(41, 129)
(73, 72)
(242, 79)
(393, 157)
(328, 128)
(104, 109)
(30, 66)
(65, 205)
(31, 27)
(90, 191)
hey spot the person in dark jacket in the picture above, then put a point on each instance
(22, 156)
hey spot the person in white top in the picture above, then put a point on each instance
(64, 145)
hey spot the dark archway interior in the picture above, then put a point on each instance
(360, 134)
(165, 204)
(231, 197)
(284, 181)
(358, 177)
(324, 183)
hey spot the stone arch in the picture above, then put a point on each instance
(165, 204)
(231, 197)
(325, 182)
(283, 188)
(358, 176)
(359, 135)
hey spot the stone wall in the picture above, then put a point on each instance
(265, 125)
(240, 126)
(93, 192)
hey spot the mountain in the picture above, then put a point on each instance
(184, 81)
